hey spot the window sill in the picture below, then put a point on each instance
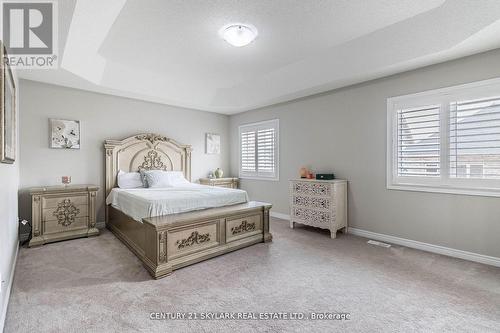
(259, 178)
(446, 190)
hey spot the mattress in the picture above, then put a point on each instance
(148, 202)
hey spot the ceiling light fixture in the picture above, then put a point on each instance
(238, 34)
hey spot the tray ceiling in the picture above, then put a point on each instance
(170, 51)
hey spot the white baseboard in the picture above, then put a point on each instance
(8, 289)
(280, 215)
(471, 256)
(483, 259)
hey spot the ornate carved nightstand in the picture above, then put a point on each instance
(63, 212)
(220, 182)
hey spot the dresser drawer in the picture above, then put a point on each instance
(64, 212)
(55, 226)
(53, 202)
(312, 188)
(241, 227)
(323, 203)
(226, 185)
(311, 216)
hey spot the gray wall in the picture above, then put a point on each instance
(345, 131)
(103, 117)
(9, 182)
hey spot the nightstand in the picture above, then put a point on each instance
(62, 212)
(220, 182)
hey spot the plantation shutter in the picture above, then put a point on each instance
(418, 142)
(266, 146)
(248, 161)
(259, 149)
(474, 138)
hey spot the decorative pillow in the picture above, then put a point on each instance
(143, 178)
(160, 178)
(129, 180)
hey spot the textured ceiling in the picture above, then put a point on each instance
(170, 51)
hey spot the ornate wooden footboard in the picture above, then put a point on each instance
(165, 243)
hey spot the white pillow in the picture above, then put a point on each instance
(177, 179)
(160, 178)
(129, 180)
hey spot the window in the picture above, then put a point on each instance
(446, 140)
(259, 150)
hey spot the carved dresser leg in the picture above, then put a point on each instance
(36, 228)
(162, 271)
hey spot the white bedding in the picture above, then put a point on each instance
(147, 202)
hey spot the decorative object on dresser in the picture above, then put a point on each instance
(64, 134)
(306, 173)
(66, 180)
(7, 110)
(63, 212)
(220, 182)
(218, 173)
(212, 143)
(325, 176)
(319, 203)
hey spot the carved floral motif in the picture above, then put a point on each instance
(66, 212)
(313, 216)
(195, 238)
(311, 188)
(151, 137)
(243, 227)
(152, 161)
(313, 202)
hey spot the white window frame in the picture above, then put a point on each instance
(274, 123)
(442, 184)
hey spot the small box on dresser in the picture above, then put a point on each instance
(63, 212)
(220, 182)
(319, 203)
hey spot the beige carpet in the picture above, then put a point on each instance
(97, 285)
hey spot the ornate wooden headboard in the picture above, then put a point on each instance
(148, 152)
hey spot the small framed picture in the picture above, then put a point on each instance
(64, 134)
(212, 143)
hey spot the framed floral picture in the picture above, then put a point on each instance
(64, 134)
(8, 132)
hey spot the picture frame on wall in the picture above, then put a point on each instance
(64, 134)
(8, 129)
(212, 142)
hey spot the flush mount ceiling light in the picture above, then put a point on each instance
(238, 34)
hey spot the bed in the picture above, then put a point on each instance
(171, 228)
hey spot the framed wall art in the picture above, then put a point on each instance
(212, 143)
(8, 128)
(64, 134)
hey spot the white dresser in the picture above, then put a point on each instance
(319, 203)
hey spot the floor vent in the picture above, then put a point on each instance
(373, 242)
